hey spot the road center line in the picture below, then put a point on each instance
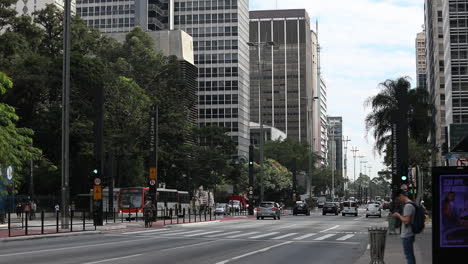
(254, 252)
(329, 229)
(112, 259)
(75, 247)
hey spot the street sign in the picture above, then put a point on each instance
(152, 182)
(97, 181)
(153, 174)
(10, 172)
(97, 192)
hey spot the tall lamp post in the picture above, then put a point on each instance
(354, 150)
(258, 46)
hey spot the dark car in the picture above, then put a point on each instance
(329, 208)
(301, 208)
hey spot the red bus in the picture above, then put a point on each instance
(131, 200)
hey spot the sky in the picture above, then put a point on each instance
(364, 42)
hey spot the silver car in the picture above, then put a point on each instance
(268, 209)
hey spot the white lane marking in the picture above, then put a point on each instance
(146, 231)
(304, 236)
(359, 218)
(284, 236)
(254, 252)
(228, 233)
(284, 227)
(245, 234)
(112, 259)
(324, 237)
(202, 234)
(343, 238)
(191, 245)
(183, 233)
(75, 247)
(265, 235)
(329, 229)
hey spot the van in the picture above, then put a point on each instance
(350, 207)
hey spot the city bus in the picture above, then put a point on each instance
(131, 200)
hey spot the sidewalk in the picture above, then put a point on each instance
(394, 249)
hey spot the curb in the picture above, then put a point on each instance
(31, 237)
(195, 223)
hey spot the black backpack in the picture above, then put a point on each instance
(417, 223)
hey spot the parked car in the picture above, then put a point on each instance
(373, 209)
(268, 209)
(221, 209)
(330, 207)
(301, 208)
(350, 207)
(234, 206)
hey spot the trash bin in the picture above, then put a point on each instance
(377, 238)
(391, 224)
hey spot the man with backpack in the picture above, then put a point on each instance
(412, 224)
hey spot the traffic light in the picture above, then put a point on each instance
(95, 171)
(404, 178)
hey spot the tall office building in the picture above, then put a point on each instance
(335, 139)
(220, 32)
(323, 136)
(287, 82)
(27, 7)
(455, 23)
(420, 45)
(435, 76)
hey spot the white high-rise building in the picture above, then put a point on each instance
(27, 7)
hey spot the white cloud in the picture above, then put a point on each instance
(363, 43)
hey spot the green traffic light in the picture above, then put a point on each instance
(95, 171)
(404, 178)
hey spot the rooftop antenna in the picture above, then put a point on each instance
(276, 4)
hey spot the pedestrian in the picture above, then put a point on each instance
(407, 236)
(27, 210)
(33, 209)
(19, 209)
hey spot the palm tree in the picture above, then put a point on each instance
(384, 108)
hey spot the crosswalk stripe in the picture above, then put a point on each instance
(284, 236)
(146, 231)
(228, 233)
(245, 234)
(184, 232)
(264, 235)
(304, 236)
(201, 234)
(345, 237)
(324, 237)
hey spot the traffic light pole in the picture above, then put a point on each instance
(251, 179)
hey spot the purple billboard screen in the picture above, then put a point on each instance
(453, 211)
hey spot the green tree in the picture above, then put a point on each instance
(16, 144)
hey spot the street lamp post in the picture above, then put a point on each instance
(360, 164)
(258, 46)
(354, 150)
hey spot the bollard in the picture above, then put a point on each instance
(129, 218)
(71, 221)
(42, 222)
(170, 214)
(377, 238)
(84, 220)
(204, 212)
(183, 212)
(57, 221)
(26, 224)
(113, 215)
(9, 224)
(189, 220)
(177, 215)
(121, 214)
(164, 217)
(22, 220)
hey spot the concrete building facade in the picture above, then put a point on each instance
(420, 46)
(269, 133)
(287, 84)
(335, 148)
(27, 7)
(220, 32)
(435, 76)
(455, 32)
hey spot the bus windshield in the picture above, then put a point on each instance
(131, 199)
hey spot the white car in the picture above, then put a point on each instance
(350, 207)
(373, 209)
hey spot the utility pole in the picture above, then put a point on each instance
(258, 46)
(354, 150)
(345, 142)
(360, 164)
(66, 115)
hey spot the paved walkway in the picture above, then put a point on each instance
(394, 249)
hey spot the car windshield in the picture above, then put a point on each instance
(267, 205)
(221, 206)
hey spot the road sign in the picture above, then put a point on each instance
(97, 181)
(153, 174)
(97, 192)
(10, 172)
(152, 182)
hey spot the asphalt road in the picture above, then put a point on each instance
(299, 239)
